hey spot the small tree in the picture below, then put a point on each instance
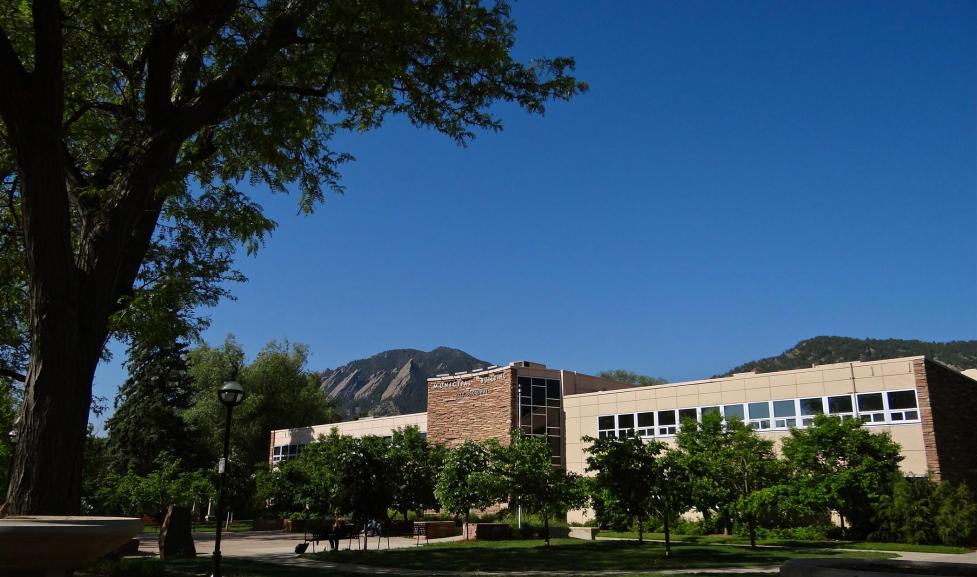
(670, 489)
(524, 473)
(702, 445)
(414, 466)
(844, 467)
(751, 466)
(625, 469)
(464, 481)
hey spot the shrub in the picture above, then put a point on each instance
(921, 511)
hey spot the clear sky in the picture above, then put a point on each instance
(741, 176)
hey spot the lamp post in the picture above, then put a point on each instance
(230, 394)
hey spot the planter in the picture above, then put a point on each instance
(586, 533)
(50, 546)
(488, 531)
(439, 529)
(269, 524)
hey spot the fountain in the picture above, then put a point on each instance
(52, 546)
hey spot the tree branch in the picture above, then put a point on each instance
(12, 374)
(16, 91)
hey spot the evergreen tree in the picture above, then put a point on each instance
(148, 410)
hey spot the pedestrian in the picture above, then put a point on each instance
(336, 532)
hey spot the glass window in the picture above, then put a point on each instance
(539, 424)
(840, 404)
(539, 395)
(709, 410)
(731, 411)
(527, 413)
(605, 423)
(685, 415)
(539, 382)
(525, 383)
(902, 400)
(759, 410)
(625, 421)
(666, 418)
(784, 409)
(813, 406)
(870, 402)
(552, 402)
(553, 417)
(552, 389)
(646, 419)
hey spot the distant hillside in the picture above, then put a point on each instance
(825, 350)
(392, 382)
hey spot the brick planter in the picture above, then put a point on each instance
(488, 531)
(439, 529)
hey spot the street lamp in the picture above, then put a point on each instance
(230, 394)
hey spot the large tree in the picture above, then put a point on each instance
(127, 126)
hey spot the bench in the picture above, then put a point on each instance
(420, 530)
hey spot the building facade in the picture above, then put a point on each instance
(928, 408)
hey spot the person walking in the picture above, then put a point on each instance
(336, 532)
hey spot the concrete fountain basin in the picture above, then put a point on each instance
(51, 546)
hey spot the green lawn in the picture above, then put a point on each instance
(577, 555)
(236, 527)
(732, 539)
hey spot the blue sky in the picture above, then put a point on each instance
(740, 176)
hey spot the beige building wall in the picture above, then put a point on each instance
(583, 410)
(377, 426)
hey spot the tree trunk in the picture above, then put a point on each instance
(641, 530)
(668, 540)
(546, 529)
(48, 460)
(751, 523)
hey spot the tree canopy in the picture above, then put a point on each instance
(131, 132)
(626, 376)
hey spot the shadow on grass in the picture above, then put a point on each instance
(574, 555)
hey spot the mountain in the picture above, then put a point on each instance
(392, 382)
(825, 350)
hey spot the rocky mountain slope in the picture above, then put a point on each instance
(392, 382)
(825, 350)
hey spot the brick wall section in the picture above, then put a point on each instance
(948, 407)
(477, 407)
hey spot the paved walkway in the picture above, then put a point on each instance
(279, 548)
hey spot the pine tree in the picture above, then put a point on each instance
(148, 410)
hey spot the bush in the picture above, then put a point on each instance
(921, 511)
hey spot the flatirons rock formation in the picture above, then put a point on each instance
(392, 382)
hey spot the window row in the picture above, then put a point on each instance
(536, 392)
(872, 408)
(285, 452)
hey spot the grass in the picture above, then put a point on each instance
(577, 555)
(736, 540)
(205, 527)
(201, 566)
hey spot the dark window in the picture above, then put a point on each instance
(709, 410)
(759, 410)
(539, 382)
(539, 424)
(870, 402)
(553, 432)
(525, 383)
(733, 411)
(539, 396)
(902, 400)
(666, 418)
(783, 409)
(553, 417)
(553, 389)
(685, 415)
(552, 402)
(527, 428)
(812, 406)
(841, 404)
(555, 446)
(605, 423)
(646, 419)
(527, 413)
(625, 421)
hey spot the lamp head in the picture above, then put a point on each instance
(231, 394)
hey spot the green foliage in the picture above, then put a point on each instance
(167, 484)
(8, 412)
(827, 350)
(464, 482)
(280, 393)
(148, 410)
(839, 465)
(627, 472)
(921, 511)
(522, 472)
(626, 376)
(414, 465)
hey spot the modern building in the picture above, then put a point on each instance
(928, 408)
